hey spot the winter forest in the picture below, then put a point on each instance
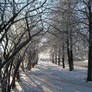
(45, 45)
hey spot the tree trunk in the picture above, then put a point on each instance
(70, 58)
(59, 56)
(63, 56)
(15, 73)
(89, 76)
(63, 61)
(58, 61)
(56, 56)
(53, 57)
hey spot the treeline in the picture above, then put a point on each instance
(67, 24)
(21, 27)
(70, 30)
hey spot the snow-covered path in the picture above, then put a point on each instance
(47, 77)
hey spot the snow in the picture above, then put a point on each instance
(48, 77)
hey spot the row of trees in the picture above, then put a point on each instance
(21, 27)
(68, 24)
(71, 26)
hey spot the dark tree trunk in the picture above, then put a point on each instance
(0, 70)
(89, 77)
(63, 61)
(53, 57)
(70, 57)
(71, 60)
(15, 75)
(59, 59)
(56, 57)
(63, 55)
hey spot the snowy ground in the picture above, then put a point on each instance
(47, 77)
